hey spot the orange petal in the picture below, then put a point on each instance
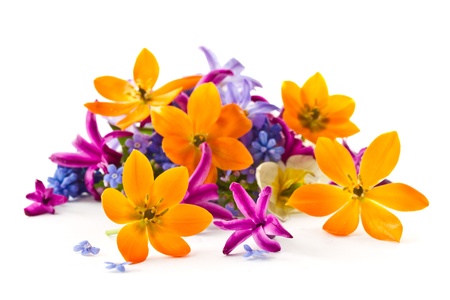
(379, 159)
(290, 92)
(379, 223)
(181, 152)
(186, 219)
(164, 99)
(398, 196)
(117, 207)
(137, 178)
(171, 121)
(204, 107)
(141, 112)
(335, 161)
(338, 129)
(185, 83)
(169, 188)
(318, 199)
(110, 109)
(146, 70)
(339, 107)
(113, 88)
(167, 242)
(230, 154)
(315, 91)
(132, 242)
(345, 221)
(232, 122)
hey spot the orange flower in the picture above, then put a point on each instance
(152, 210)
(134, 100)
(312, 113)
(359, 194)
(207, 121)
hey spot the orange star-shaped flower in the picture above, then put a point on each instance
(312, 113)
(152, 210)
(134, 100)
(206, 121)
(359, 194)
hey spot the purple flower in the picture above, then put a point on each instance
(86, 248)
(228, 73)
(114, 176)
(118, 266)
(44, 200)
(249, 252)
(91, 155)
(255, 110)
(202, 194)
(139, 142)
(256, 223)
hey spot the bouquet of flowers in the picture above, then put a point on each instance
(206, 148)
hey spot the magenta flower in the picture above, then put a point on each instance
(44, 200)
(262, 227)
(202, 194)
(91, 155)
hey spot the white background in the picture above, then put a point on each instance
(391, 57)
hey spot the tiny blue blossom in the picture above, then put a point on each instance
(155, 152)
(119, 267)
(264, 149)
(139, 142)
(114, 176)
(86, 248)
(254, 253)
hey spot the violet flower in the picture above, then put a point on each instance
(255, 110)
(262, 227)
(44, 200)
(86, 248)
(91, 155)
(203, 194)
(228, 73)
(117, 266)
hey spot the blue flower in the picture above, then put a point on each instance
(114, 176)
(264, 149)
(68, 182)
(139, 142)
(156, 153)
(119, 267)
(254, 253)
(86, 248)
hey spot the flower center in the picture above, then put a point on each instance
(199, 139)
(149, 214)
(114, 176)
(312, 119)
(358, 191)
(137, 145)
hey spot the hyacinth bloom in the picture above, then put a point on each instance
(359, 193)
(133, 100)
(152, 211)
(284, 179)
(312, 113)
(206, 121)
(44, 200)
(202, 194)
(91, 155)
(256, 223)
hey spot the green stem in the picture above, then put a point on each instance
(112, 231)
